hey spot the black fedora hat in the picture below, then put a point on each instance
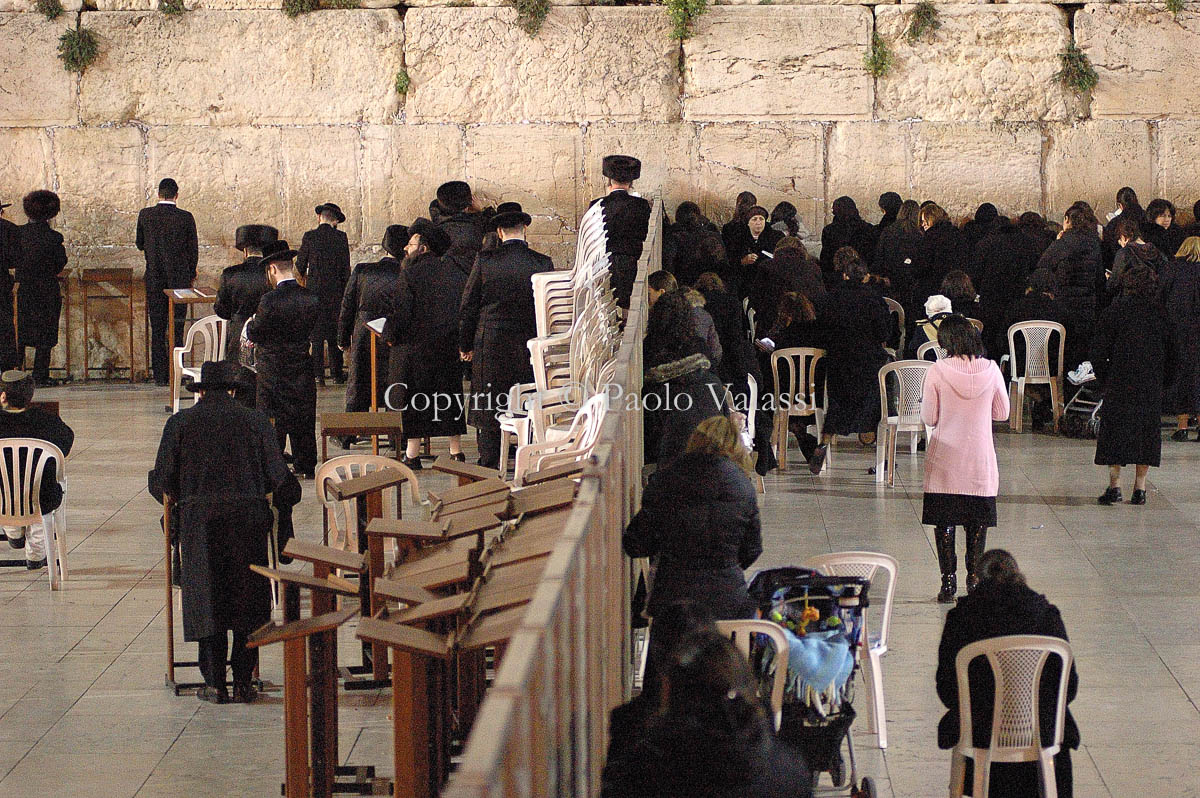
(622, 168)
(218, 375)
(255, 236)
(454, 196)
(329, 207)
(395, 238)
(277, 251)
(41, 205)
(431, 235)
(510, 214)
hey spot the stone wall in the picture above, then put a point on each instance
(260, 117)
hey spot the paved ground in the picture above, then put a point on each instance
(83, 711)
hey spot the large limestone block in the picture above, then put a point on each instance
(535, 165)
(402, 166)
(985, 63)
(476, 65)
(227, 176)
(1144, 57)
(27, 165)
(247, 67)
(777, 162)
(1091, 160)
(1178, 153)
(102, 182)
(777, 62)
(320, 164)
(668, 152)
(961, 165)
(865, 159)
(34, 88)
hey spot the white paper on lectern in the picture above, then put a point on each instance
(377, 324)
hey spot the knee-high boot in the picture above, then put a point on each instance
(976, 543)
(944, 537)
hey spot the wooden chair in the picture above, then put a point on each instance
(22, 465)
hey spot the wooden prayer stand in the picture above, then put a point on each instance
(372, 423)
(121, 280)
(172, 663)
(465, 472)
(574, 469)
(185, 297)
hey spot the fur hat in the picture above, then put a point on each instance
(41, 205)
(431, 235)
(329, 207)
(937, 304)
(510, 214)
(454, 196)
(622, 168)
(277, 251)
(395, 238)
(254, 236)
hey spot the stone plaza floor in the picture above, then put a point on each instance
(83, 709)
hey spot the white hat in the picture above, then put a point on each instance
(937, 304)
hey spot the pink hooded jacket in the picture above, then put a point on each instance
(961, 399)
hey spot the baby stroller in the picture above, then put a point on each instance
(1081, 416)
(823, 619)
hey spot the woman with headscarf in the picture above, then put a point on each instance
(756, 244)
(1127, 207)
(734, 231)
(847, 229)
(784, 219)
(693, 246)
(899, 257)
(1179, 294)
(889, 203)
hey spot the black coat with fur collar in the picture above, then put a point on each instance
(676, 397)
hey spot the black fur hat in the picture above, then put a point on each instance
(395, 238)
(454, 196)
(254, 236)
(431, 235)
(622, 168)
(41, 205)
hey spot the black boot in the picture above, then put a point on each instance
(944, 537)
(976, 543)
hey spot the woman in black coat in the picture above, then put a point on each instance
(1001, 604)
(1179, 294)
(1132, 354)
(752, 244)
(699, 522)
(693, 246)
(899, 257)
(946, 249)
(39, 303)
(1075, 260)
(848, 229)
(1160, 228)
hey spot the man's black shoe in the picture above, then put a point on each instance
(17, 543)
(35, 565)
(212, 695)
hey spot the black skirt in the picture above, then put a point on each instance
(957, 509)
(1129, 439)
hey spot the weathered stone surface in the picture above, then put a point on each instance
(865, 159)
(249, 67)
(771, 63)
(962, 165)
(102, 182)
(227, 176)
(1144, 58)
(27, 165)
(402, 166)
(1091, 160)
(34, 87)
(668, 153)
(320, 165)
(776, 161)
(476, 65)
(1178, 153)
(985, 63)
(535, 165)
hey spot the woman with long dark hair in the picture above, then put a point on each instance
(1179, 294)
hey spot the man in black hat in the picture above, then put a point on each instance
(19, 420)
(425, 373)
(281, 328)
(364, 302)
(324, 262)
(626, 220)
(39, 302)
(167, 235)
(243, 285)
(496, 319)
(460, 215)
(220, 461)
(10, 257)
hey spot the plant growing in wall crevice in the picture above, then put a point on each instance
(50, 9)
(531, 14)
(922, 20)
(878, 59)
(1076, 72)
(403, 82)
(172, 8)
(1175, 7)
(683, 15)
(78, 48)
(343, 5)
(294, 8)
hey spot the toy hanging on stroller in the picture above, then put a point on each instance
(822, 617)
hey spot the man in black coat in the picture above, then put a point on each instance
(626, 221)
(324, 262)
(19, 420)
(364, 302)
(39, 301)
(10, 257)
(168, 237)
(281, 327)
(219, 461)
(425, 373)
(464, 221)
(494, 322)
(243, 284)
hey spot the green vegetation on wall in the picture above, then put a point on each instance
(1077, 73)
(922, 20)
(683, 15)
(878, 59)
(531, 14)
(50, 9)
(78, 48)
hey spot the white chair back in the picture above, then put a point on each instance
(1037, 337)
(930, 346)
(22, 465)
(798, 380)
(976, 323)
(897, 311)
(341, 517)
(206, 336)
(741, 633)
(909, 379)
(865, 564)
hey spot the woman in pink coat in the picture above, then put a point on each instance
(964, 393)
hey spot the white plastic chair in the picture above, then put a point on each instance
(343, 533)
(576, 444)
(976, 323)
(897, 310)
(206, 337)
(797, 396)
(910, 381)
(1017, 662)
(930, 346)
(867, 564)
(20, 495)
(1036, 335)
(741, 633)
